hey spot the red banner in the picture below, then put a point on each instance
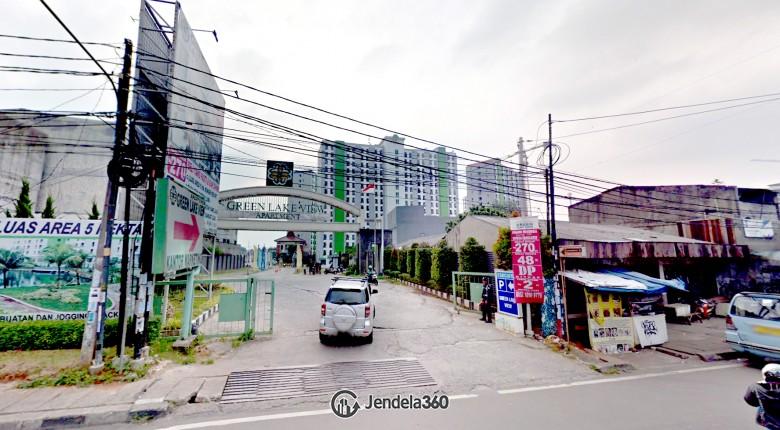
(527, 261)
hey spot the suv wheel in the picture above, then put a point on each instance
(323, 339)
(370, 338)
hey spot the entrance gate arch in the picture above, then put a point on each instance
(237, 215)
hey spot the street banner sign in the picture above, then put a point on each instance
(178, 234)
(572, 251)
(527, 260)
(279, 173)
(505, 293)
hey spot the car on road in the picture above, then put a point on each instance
(753, 325)
(348, 310)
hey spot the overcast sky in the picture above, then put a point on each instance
(472, 74)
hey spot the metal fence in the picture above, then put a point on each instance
(467, 287)
(220, 307)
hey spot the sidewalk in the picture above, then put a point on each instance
(104, 404)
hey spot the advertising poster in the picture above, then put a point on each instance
(46, 267)
(611, 335)
(527, 260)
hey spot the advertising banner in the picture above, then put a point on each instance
(179, 245)
(611, 335)
(279, 174)
(527, 260)
(195, 111)
(46, 267)
(505, 293)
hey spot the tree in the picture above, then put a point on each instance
(23, 203)
(402, 261)
(94, 213)
(48, 211)
(411, 265)
(11, 260)
(76, 262)
(388, 256)
(444, 261)
(503, 249)
(473, 257)
(57, 254)
(423, 265)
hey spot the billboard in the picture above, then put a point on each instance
(527, 260)
(47, 267)
(196, 120)
(279, 174)
(758, 228)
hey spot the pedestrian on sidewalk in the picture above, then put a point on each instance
(765, 395)
(488, 301)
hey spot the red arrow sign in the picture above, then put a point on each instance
(183, 231)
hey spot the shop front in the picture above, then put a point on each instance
(614, 311)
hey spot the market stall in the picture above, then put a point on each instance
(622, 308)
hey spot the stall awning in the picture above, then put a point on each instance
(677, 284)
(620, 281)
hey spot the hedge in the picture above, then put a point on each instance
(44, 335)
(423, 265)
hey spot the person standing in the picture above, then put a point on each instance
(488, 301)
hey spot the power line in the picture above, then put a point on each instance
(45, 39)
(668, 108)
(84, 48)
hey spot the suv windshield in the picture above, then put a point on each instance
(346, 297)
(767, 308)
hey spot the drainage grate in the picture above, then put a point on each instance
(285, 383)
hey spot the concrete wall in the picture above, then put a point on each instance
(485, 233)
(62, 157)
(409, 222)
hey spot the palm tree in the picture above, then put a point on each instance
(10, 260)
(57, 254)
(76, 262)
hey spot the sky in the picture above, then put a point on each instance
(471, 75)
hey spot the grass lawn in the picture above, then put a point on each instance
(64, 299)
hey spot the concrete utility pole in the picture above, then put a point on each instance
(553, 235)
(92, 342)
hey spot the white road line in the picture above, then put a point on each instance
(231, 421)
(227, 422)
(618, 379)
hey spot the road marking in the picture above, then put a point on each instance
(231, 421)
(618, 379)
(227, 422)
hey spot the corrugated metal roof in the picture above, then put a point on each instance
(598, 232)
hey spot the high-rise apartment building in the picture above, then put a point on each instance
(489, 183)
(403, 177)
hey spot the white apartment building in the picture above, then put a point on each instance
(490, 183)
(403, 176)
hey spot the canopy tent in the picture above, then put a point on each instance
(622, 281)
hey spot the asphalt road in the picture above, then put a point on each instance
(687, 399)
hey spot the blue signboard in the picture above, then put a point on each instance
(505, 290)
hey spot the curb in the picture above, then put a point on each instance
(205, 315)
(101, 415)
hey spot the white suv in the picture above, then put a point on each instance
(348, 309)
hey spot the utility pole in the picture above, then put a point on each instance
(94, 328)
(525, 205)
(553, 235)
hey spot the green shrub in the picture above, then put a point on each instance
(405, 277)
(473, 257)
(422, 269)
(402, 261)
(46, 335)
(411, 264)
(444, 261)
(503, 249)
